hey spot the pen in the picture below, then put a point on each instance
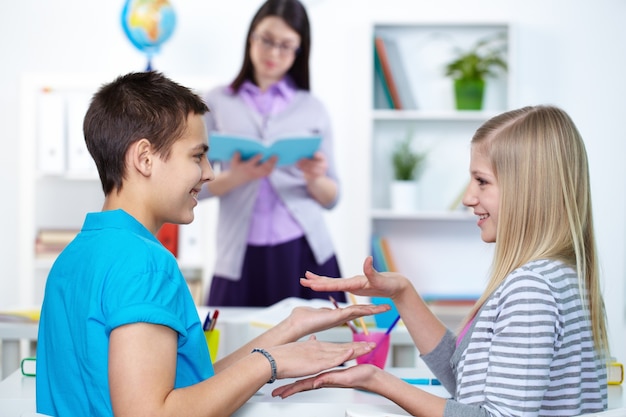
(422, 381)
(349, 323)
(390, 328)
(214, 319)
(361, 321)
(207, 322)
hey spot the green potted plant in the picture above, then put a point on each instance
(408, 166)
(470, 68)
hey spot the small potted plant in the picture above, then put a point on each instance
(408, 166)
(470, 68)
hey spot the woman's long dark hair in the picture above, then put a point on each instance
(294, 14)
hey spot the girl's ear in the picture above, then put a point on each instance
(141, 157)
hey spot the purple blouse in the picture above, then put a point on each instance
(271, 222)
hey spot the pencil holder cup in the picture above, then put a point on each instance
(212, 341)
(377, 356)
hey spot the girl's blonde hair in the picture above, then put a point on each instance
(539, 160)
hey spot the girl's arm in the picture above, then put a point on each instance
(370, 378)
(425, 328)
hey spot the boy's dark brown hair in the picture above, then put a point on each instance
(135, 106)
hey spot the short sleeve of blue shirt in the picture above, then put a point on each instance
(114, 273)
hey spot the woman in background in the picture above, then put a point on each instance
(271, 227)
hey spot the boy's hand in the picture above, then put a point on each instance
(299, 359)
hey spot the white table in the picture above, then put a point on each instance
(17, 396)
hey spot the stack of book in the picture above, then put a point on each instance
(50, 242)
(391, 81)
(381, 254)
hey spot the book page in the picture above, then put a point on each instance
(222, 147)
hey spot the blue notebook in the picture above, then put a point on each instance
(222, 147)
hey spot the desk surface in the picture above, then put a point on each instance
(17, 395)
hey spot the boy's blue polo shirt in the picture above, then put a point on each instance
(114, 273)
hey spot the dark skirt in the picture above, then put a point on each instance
(271, 274)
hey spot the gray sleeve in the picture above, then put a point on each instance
(438, 361)
(456, 409)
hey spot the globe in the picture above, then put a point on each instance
(148, 24)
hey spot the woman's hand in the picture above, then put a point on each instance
(307, 320)
(251, 169)
(241, 172)
(313, 168)
(373, 283)
(322, 188)
(359, 376)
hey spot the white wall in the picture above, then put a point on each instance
(566, 52)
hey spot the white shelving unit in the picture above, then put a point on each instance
(59, 183)
(437, 246)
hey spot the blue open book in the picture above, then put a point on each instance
(222, 147)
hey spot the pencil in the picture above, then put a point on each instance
(214, 319)
(393, 324)
(207, 322)
(349, 323)
(361, 321)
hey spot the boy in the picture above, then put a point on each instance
(119, 332)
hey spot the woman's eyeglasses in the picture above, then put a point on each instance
(284, 49)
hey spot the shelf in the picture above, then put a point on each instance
(434, 115)
(438, 249)
(463, 216)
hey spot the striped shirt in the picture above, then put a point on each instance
(529, 351)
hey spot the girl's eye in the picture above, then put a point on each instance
(480, 181)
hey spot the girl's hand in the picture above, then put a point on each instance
(373, 283)
(313, 168)
(307, 320)
(359, 376)
(299, 359)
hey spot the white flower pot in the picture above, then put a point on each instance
(404, 196)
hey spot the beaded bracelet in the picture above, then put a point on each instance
(272, 362)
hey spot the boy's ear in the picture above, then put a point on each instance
(141, 156)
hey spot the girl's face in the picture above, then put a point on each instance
(483, 195)
(273, 48)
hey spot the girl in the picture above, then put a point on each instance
(271, 227)
(535, 343)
